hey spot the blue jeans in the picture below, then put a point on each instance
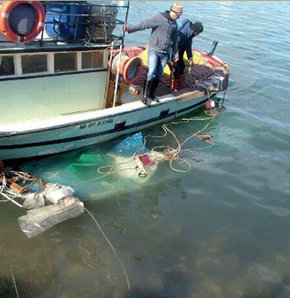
(156, 64)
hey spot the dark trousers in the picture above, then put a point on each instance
(180, 66)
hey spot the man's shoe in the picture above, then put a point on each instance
(155, 99)
(153, 86)
(145, 102)
(146, 91)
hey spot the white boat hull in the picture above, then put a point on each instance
(65, 133)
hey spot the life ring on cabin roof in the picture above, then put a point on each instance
(5, 27)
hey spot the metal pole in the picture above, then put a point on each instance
(214, 45)
(126, 19)
(117, 76)
(11, 200)
(119, 60)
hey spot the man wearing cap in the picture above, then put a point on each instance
(163, 45)
(186, 33)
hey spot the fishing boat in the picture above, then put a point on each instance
(67, 80)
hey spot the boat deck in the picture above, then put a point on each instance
(195, 77)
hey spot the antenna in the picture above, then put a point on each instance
(213, 48)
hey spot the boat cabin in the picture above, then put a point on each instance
(77, 77)
(64, 68)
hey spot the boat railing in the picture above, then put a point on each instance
(88, 23)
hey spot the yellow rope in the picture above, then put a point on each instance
(172, 153)
(110, 172)
(167, 152)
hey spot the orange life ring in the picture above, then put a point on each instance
(6, 9)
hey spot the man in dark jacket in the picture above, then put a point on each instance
(163, 42)
(186, 33)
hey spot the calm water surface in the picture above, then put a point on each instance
(219, 230)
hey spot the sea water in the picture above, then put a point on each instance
(216, 226)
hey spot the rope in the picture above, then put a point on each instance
(112, 247)
(11, 270)
(164, 152)
(173, 154)
(13, 278)
(110, 172)
(12, 275)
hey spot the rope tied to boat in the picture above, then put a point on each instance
(159, 153)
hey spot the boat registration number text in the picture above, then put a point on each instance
(96, 123)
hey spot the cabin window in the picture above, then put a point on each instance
(92, 59)
(65, 62)
(7, 66)
(34, 63)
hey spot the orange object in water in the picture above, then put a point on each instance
(17, 188)
(208, 105)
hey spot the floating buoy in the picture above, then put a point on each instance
(210, 104)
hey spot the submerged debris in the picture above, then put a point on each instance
(205, 138)
(48, 203)
(53, 204)
(39, 220)
(33, 201)
(55, 192)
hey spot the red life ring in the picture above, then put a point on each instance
(6, 9)
(129, 67)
